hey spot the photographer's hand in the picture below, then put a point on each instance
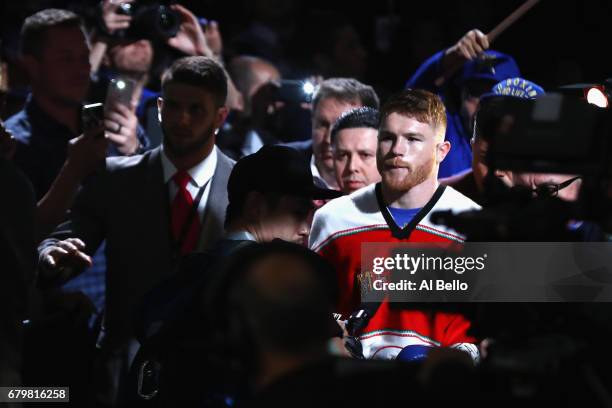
(190, 38)
(86, 152)
(114, 21)
(214, 39)
(121, 126)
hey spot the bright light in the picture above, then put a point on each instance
(308, 88)
(596, 97)
(120, 84)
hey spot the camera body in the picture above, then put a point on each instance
(150, 20)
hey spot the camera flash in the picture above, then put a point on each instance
(308, 88)
(120, 84)
(596, 97)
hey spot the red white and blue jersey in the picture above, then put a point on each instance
(342, 225)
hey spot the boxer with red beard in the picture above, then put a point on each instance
(410, 148)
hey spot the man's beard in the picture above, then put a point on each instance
(415, 176)
(182, 150)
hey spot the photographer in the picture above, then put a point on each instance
(486, 121)
(135, 41)
(55, 55)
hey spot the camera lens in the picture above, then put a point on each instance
(166, 20)
(125, 8)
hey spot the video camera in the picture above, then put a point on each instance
(555, 134)
(544, 347)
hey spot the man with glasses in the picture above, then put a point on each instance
(551, 185)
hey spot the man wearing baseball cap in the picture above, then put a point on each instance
(270, 196)
(487, 119)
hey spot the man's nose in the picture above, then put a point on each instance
(352, 164)
(184, 118)
(399, 146)
(327, 137)
(304, 230)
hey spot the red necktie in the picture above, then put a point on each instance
(186, 236)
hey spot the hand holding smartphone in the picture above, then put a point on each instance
(92, 116)
(120, 90)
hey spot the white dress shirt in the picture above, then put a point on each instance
(252, 143)
(199, 175)
(315, 173)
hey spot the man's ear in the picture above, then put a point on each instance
(222, 113)
(442, 150)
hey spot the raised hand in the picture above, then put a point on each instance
(190, 38)
(121, 126)
(472, 44)
(114, 21)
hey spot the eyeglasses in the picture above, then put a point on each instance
(551, 190)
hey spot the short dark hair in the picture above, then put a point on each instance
(35, 27)
(198, 71)
(273, 314)
(423, 105)
(345, 90)
(364, 117)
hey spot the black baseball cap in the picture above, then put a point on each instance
(275, 169)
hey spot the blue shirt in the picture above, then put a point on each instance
(402, 216)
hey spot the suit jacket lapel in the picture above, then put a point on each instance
(214, 216)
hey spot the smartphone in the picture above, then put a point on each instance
(294, 91)
(92, 117)
(120, 90)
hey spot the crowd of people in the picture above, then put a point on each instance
(200, 244)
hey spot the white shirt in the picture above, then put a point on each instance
(315, 173)
(252, 143)
(200, 175)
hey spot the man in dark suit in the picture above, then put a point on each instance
(331, 99)
(151, 209)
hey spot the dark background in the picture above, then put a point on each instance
(556, 43)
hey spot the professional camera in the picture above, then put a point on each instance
(150, 20)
